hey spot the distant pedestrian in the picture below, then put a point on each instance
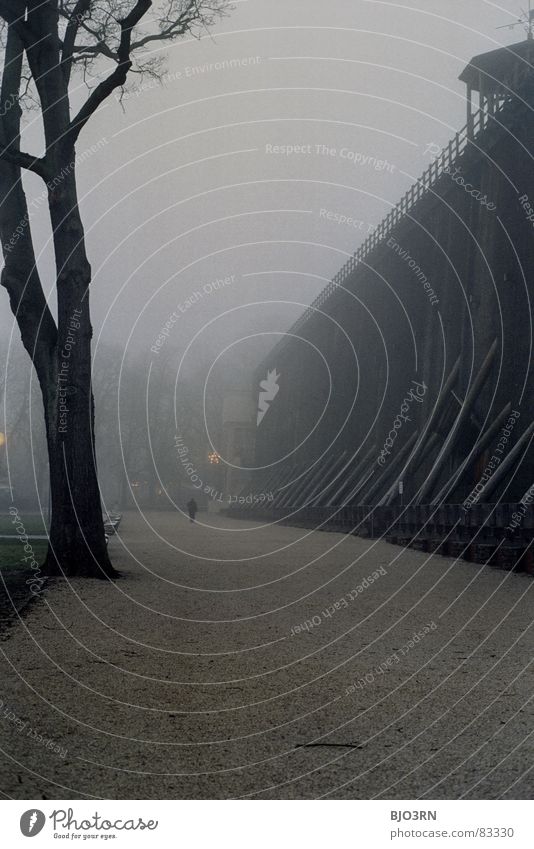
(192, 508)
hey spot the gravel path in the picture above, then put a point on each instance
(192, 676)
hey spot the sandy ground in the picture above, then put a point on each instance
(189, 677)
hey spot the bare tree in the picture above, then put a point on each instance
(44, 41)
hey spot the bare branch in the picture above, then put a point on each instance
(74, 22)
(25, 160)
(170, 20)
(179, 19)
(118, 77)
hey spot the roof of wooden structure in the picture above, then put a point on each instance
(498, 68)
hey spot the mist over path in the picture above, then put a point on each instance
(226, 649)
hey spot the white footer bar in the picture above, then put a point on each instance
(269, 824)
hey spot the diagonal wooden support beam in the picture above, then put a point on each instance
(475, 452)
(507, 464)
(379, 482)
(368, 472)
(465, 411)
(347, 481)
(427, 437)
(320, 490)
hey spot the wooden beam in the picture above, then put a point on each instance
(506, 465)
(355, 471)
(389, 470)
(475, 452)
(323, 486)
(465, 411)
(426, 435)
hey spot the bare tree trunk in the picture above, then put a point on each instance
(54, 36)
(77, 539)
(20, 276)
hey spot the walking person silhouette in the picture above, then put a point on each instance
(192, 508)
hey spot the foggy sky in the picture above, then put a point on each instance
(178, 187)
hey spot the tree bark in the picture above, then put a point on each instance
(61, 352)
(77, 539)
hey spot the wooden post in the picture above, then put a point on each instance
(389, 469)
(367, 472)
(346, 481)
(475, 452)
(506, 465)
(528, 493)
(465, 410)
(285, 481)
(426, 435)
(321, 488)
(309, 482)
(470, 132)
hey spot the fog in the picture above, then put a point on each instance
(280, 561)
(215, 202)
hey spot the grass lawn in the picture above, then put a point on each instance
(33, 523)
(11, 554)
(12, 551)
